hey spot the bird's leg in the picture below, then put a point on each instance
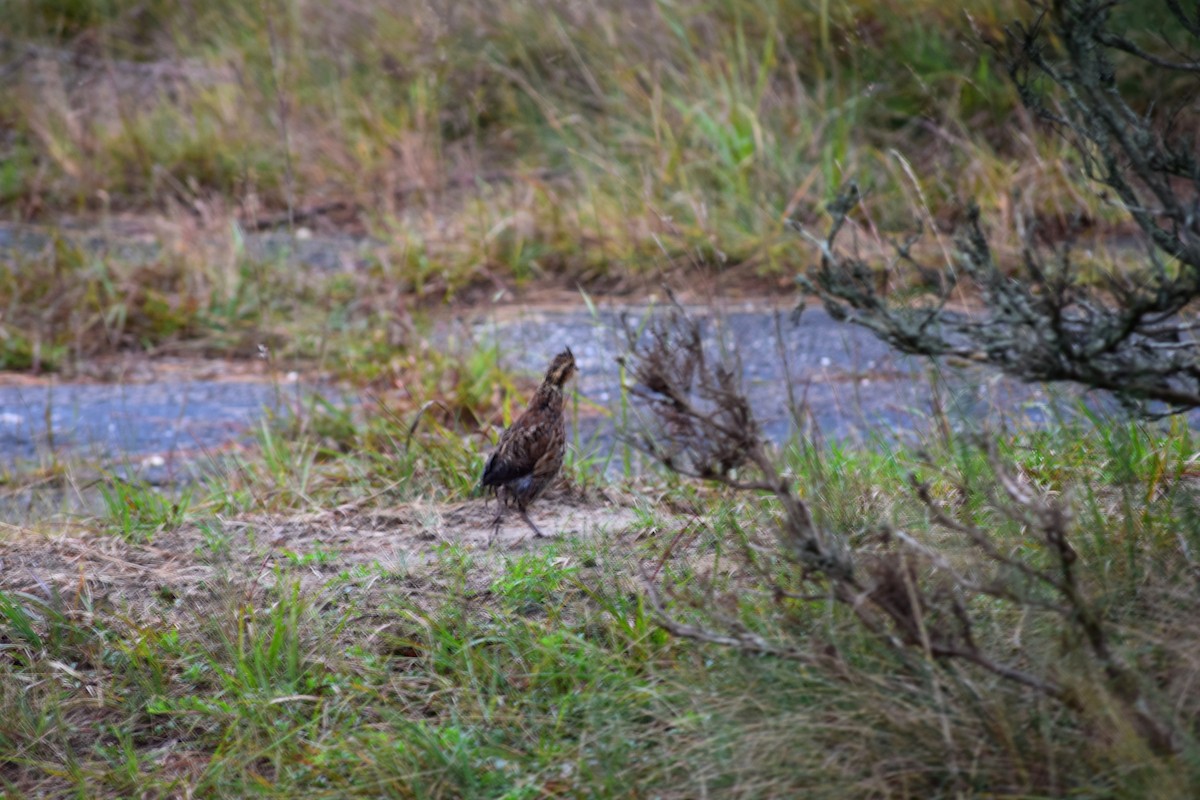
(495, 527)
(502, 506)
(536, 532)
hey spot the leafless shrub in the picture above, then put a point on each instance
(1130, 333)
(705, 428)
(914, 599)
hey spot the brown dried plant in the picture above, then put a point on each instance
(911, 597)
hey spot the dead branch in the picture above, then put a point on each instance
(698, 423)
(740, 640)
(1130, 335)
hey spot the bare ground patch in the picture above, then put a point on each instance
(259, 550)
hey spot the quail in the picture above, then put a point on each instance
(530, 453)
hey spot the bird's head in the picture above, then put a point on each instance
(561, 368)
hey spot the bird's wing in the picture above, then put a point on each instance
(515, 456)
(547, 465)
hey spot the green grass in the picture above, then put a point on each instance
(68, 301)
(296, 669)
(137, 511)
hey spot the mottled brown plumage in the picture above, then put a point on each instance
(530, 452)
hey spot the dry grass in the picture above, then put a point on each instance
(532, 138)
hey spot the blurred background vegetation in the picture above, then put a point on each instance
(530, 138)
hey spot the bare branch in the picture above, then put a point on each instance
(907, 595)
(741, 640)
(1131, 335)
(1123, 44)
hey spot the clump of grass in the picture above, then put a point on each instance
(137, 511)
(958, 724)
(70, 303)
(192, 292)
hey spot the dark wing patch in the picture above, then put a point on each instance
(515, 456)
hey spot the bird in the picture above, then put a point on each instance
(530, 453)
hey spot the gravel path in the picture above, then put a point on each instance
(156, 429)
(849, 385)
(845, 383)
